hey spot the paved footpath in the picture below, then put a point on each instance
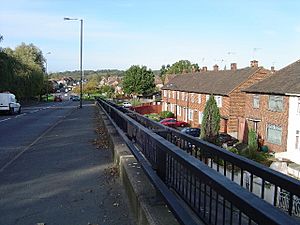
(66, 178)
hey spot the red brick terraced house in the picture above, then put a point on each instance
(273, 110)
(186, 95)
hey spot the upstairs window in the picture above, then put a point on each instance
(182, 96)
(192, 97)
(219, 101)
(256, 101)
(165, 93)
(276, 103)
(199, 98)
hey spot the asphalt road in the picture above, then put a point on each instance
(54, 171)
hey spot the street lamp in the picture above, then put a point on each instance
(48, 53)
(81, 72)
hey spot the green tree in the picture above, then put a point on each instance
(21, 71)
(163, 73)
(211, 121)
(138, 81)
(182, 66)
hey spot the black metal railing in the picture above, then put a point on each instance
(211, 195)
(276, 188)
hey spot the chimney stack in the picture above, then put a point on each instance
(216, 67)
(204, 68)
(233, 66)
(272, 69)
(254, 63)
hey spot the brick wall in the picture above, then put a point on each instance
(238, 99)
(268, 117)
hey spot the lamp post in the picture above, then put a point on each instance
(48, 53)
(81, 38)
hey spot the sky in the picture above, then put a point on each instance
(121, 33)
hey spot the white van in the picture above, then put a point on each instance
(9, 104)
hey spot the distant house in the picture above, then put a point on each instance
(273, 110)
(186, 95)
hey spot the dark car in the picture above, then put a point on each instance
(172, 122)
(75, 98)
(193, 131)
(224, 138)
(58, 98)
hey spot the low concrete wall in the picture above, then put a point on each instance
(145, 205)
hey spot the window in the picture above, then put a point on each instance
(177, 94)
(192, 97)
(207, 97)
(186, 96)
(173, 93)
(182, 96)
(200, 117)
(165, 93)
(255, 101)
(219, 101)
(191, 114)
(276, 103)
(179, 110)
(172, 108)
(274, 134)
(298, 106)
(297, 140)
(199, 98)
(169, 93)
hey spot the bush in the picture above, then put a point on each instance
(166, 114)
(153, 116)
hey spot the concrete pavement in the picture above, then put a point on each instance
(66, 177)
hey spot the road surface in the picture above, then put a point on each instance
(52, 172)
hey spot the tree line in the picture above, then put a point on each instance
(22, 71)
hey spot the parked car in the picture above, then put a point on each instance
(172, 122)
(58, 98)
(9, 104)
(224, 138)
(126, 104)
(75, 98)
(193, 131)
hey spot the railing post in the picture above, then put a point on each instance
(161, 162)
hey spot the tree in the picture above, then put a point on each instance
(138, 81)
(211, 121)
(182, 66)
(21, 71)
(163, 73)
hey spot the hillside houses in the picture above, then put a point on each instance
(186, 95)
(273, 110)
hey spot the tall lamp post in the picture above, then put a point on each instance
(81, 72)
(48, 53)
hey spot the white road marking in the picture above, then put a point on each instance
(5, 119)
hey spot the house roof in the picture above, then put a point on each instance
(283, 82)
(221, 82)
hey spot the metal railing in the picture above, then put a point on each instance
(276, 188)
(211, 195)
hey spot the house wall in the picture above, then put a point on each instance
(233, 106)
(266, 116)
(293, 127)
(238, 100)
(190, 101)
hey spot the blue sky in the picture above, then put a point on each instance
(121, 33)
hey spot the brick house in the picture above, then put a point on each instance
(186, 95)
(273, 110)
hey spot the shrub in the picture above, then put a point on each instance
(166, 114)
(153, 116)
